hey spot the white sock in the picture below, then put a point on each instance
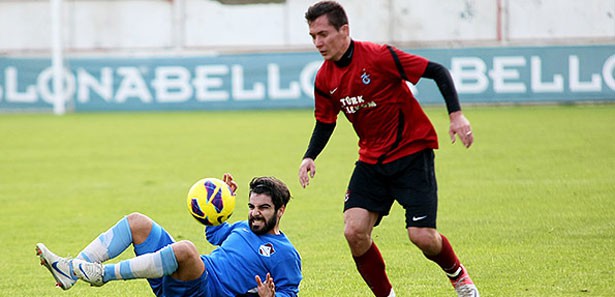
(152, 265)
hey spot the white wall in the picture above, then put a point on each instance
(445, 21)
(187, 26)
(118, 24)
(556, 19)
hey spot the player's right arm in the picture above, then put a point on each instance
(307, 169)
(229, 180)
(217, 234)
(325, 112)
(320, 137)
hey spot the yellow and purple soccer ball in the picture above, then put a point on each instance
(211, 201)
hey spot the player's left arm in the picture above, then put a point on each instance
(265, 288)
(287, 276)
(459, 125)
(412, 68)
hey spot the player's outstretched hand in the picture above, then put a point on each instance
(307, 170)
(267, 288)
(228, 179)
(460, 126)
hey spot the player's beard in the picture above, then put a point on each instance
(269, 224)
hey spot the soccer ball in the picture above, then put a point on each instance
(211, 201)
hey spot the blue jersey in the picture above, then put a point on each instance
(242, 255)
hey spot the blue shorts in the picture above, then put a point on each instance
(167, 286)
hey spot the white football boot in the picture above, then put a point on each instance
(59, 267)
(464, 286)
(89, 272)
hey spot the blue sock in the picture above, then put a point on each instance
(109, 244)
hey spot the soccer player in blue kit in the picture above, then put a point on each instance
(250, 254)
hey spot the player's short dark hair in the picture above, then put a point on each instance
(334, 11)
(273, 187)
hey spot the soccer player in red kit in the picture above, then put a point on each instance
(367, 82)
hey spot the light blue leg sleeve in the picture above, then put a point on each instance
(152, 265)
(109, 244)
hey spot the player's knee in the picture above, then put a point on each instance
(355, 235)
(140, 225)
(422, 243)
(425, 239)
(185, 251)
(189, 263)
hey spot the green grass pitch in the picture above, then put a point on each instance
(530, 208)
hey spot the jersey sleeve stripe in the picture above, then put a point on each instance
(400, 68)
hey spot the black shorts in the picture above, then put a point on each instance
(411, 181)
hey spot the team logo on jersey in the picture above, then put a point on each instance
(266, 250)
(365, 78)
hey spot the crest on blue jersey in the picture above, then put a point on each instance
(266, 250)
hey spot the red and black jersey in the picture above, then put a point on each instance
(372, 92)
